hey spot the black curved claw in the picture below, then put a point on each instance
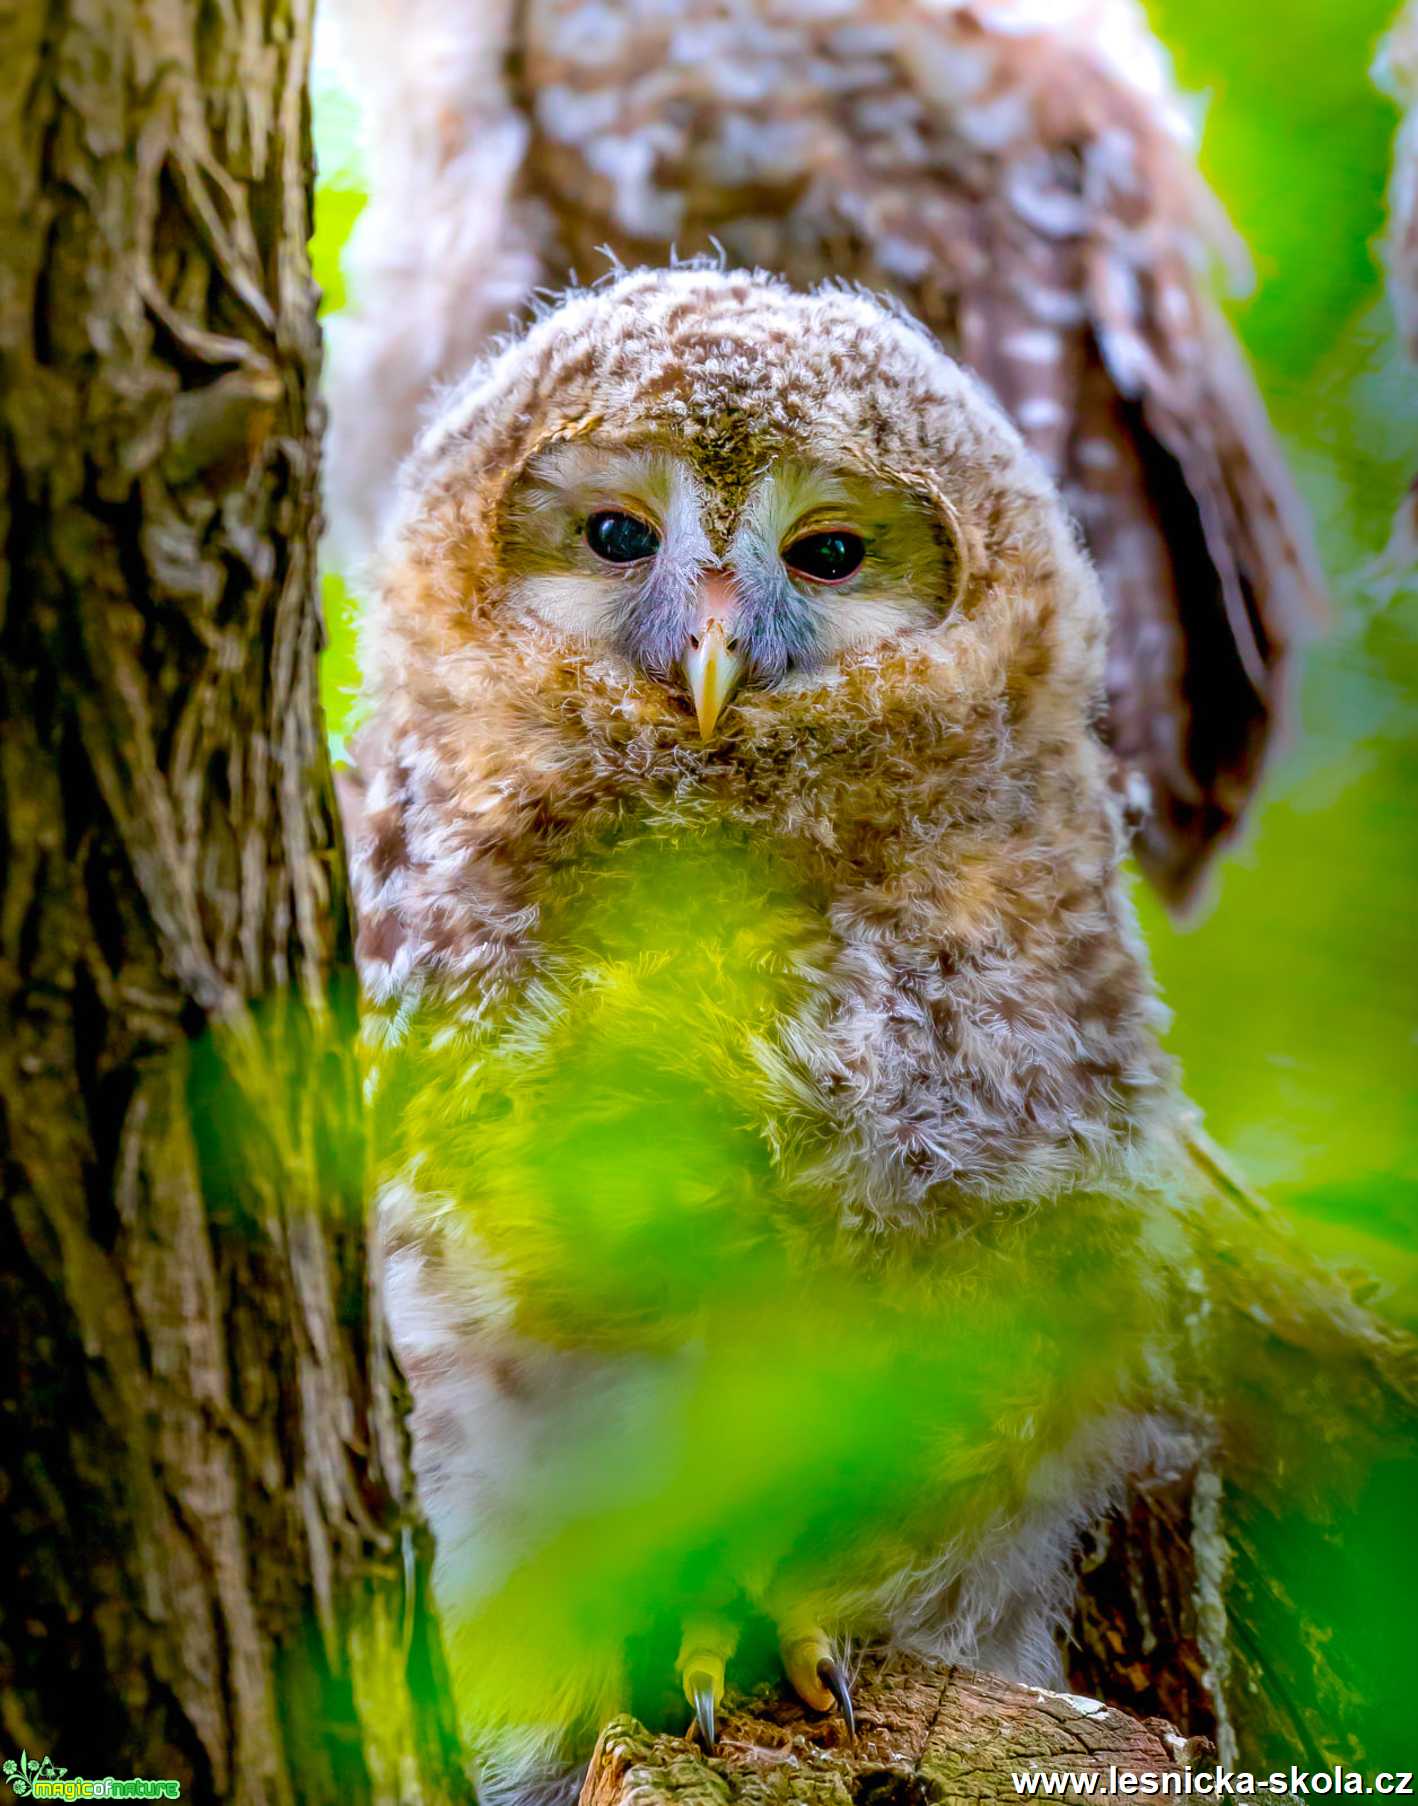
(703, 1695)
(834, 1677)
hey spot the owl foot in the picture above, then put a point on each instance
(707, 1646)
(818, 1678)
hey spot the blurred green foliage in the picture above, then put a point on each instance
(737, 1433)
(1296, 992)
(1294, 989)
(1296, 141)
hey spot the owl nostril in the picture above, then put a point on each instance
(734, 644)
(694, 641)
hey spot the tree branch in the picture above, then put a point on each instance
(924, 1734)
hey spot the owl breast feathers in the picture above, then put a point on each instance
(1021, 177)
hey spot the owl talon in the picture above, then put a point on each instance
(706, 1648)
(700, 1690)
(834, 1677)
(818, 1678)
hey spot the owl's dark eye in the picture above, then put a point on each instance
(621, 538)
(825, 557)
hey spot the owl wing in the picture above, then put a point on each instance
(1087, 308)
(1154, 430)
(1020, 177)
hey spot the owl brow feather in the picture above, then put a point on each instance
(923, 483)
(495, 513)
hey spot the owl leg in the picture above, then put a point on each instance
(818, 1677)
(707, 1645)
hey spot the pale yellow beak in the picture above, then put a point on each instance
(712, 670)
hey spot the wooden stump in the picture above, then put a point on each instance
(924, 1734)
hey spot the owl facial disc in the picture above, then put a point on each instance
(626, 549)
(712, 663)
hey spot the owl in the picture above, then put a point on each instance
(1020, 176)
(793, 1234)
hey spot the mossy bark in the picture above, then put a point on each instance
(202, 1456)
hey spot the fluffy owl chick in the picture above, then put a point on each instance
(759, 1034)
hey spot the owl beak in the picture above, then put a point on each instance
(712, 668)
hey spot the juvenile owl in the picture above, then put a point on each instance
(794, 1235)
(1021, 176)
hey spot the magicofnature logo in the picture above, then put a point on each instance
(37, 1778)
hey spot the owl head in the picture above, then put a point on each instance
(698, 535)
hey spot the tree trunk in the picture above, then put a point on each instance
(1137, 1638)
(923, 1734)
(207, 1502)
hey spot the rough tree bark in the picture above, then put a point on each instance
(202, 1456)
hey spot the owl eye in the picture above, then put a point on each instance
(621, 538)
(826, 557)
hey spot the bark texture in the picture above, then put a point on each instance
(924, 1735)
(202, 1455)
(1136, 1638)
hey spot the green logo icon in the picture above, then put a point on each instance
(23, 1774)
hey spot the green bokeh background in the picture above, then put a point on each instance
(1293, 989)
(1294, 994)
